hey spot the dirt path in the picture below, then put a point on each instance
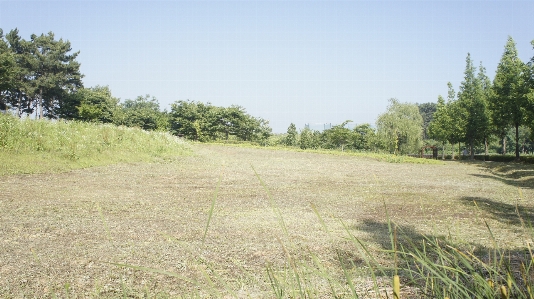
(61, 233)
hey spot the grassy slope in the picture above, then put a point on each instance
(31, 146)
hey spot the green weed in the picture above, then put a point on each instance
(39, 146)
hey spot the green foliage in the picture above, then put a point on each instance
(427, 111)
(363, 137)
(194, 120)
(7, 70)
(95, 104)
(339, 136)
(399, 129)
(472, 100)
(291, 138)
(530, 93)
(439, 127)
(143, 112)
(505, 158)
(44, 73)
(55, 72)
(306, 138)
(310, 139)
(205, 122)
(508, 102)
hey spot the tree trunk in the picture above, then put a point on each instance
(452, 150)
(40, 103)
(504, 145)
(443, 152)
(471, 149)
(486, 146)
(517, 142)
(19, 111)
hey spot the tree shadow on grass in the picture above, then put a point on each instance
(380, 233)
(514, 174)
(504, 212)
(422, 256)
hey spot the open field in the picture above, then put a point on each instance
(63, 234)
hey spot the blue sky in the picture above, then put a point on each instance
(286, 61)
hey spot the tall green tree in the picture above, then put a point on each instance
(306, 138)
(363, 137)
(194, 120)
(509, 101)
(262, 132)
(485, 87)
(44, 74)
(291, 139)
(530, 94)
(204, 122)
(440, 126)
(7, 71)
(339, 135)
(94, 104)
(55, 72)
(20, 95)
(142, 112)
(427, 111)
(471, 100)
(458, 118)
(399, 129)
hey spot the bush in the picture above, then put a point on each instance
(504, 158)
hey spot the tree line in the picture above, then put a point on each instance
(483, 110)
(481, 114)
(41, 78)
(399, 130)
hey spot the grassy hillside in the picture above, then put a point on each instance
(37, 146)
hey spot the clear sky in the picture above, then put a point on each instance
(286, 61)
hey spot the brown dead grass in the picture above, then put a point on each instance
(62, 234)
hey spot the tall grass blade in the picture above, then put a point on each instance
(396, 287)
(210, 214)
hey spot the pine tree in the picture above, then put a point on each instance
(55, 72)
(7, 71)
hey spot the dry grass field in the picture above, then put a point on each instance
(67, 234)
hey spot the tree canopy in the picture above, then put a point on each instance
(509, 101)
(472, 101)
(43, 72)
(399, 129)
(205, 122)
